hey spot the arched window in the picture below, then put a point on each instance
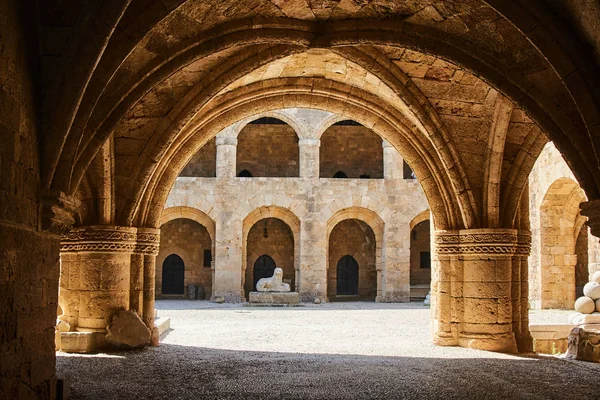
(245, 174)
(264, 267)
(340, 174)
(172, 275)
(347, 276)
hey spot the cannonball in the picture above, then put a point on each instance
(598, 305)
(596, 277)
(317, 301)
(585, 305)
(592, 290)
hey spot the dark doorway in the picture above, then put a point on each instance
(172, 275)
(264, 267)
(347, 276)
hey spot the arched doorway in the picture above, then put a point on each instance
(264, 267)
(269, 244)
(173, 275)
(351, 267)
(347, 276)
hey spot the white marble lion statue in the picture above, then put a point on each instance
(274, 283)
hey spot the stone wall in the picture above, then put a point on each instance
(204, 162)
(355, 238)
(314, 202)
(270, 236)
(268, 150)
(419, 242)
(354, 150)
(188, 239)
(555, 225)
(30, 262)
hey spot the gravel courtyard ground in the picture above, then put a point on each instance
(329, 351)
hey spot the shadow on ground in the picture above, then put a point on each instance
(180, 372)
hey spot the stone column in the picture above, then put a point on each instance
(102, 269)
(477, 288)
(227, 278)
(392, 162)
(148, 240)
(98, 259)
(309, 157)
(394, 284)
(312, 280)
(226, 156)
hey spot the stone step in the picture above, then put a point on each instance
(163, 324)
(419, 291)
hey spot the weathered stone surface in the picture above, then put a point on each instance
(585, 305)
(82, 342)
(274, 298)
(274, 283)
(192, 292)
(550, 339)
(584, 343)
(61, 326)
(592, 290)
(127, 331)
(154, 336)
(584, 319)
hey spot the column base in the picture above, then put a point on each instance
(82, 342)
(501, 343)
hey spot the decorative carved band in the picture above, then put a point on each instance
(483, 241)
(112, 239)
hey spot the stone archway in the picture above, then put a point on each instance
(281, 219)
(367, 247)
(560, 223)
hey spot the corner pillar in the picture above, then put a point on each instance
(477, 289)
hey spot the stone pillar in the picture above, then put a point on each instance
(226, 156)
(312, 280)
(148, 240)
(394, 263)
(102, 270)
(392, 162)
(227, 278)
(98, 260)
(309, 157)
(477, 297)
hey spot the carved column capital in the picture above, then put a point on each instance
(111, 239)
(483, 241)
(58, 212)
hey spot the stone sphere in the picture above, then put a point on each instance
(598, 305)
(317, 301)
(596, 277)
(592, 290)
(585, 305)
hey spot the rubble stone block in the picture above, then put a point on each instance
(127, 331)
(584, 343)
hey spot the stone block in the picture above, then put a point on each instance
(127, 330)
(274, 298)
(82, 342)
(584, 343)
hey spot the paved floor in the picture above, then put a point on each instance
(330, 351)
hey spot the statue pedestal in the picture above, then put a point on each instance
(274, 298)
